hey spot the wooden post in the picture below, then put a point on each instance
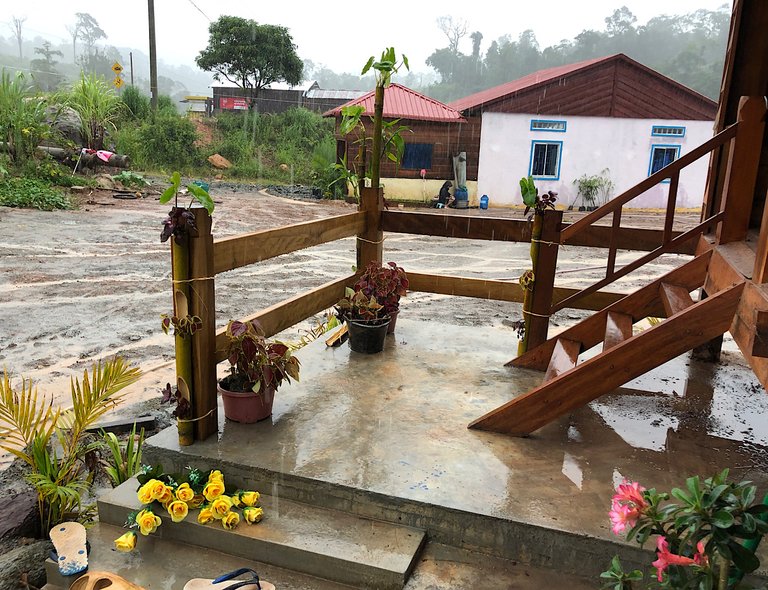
(369, 242)
(544, 272)
(202, 303)
(741, 171)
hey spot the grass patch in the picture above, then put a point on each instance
(31, 193)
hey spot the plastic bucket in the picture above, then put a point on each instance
(484, 202)
(367, 338)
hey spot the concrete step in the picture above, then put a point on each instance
(161, 564)
(317, 541)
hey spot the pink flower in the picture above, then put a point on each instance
(666, 558)
(626, 506)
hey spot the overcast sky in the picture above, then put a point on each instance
(340, 35)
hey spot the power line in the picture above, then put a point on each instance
(200, 11)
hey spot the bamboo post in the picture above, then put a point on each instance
(545, 241)
(741, 171)
(202, 304)
(180, 273)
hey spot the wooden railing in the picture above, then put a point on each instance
(670, 241)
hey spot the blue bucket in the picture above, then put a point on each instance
(484, 202)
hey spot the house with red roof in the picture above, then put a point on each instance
(610, 116)
(437, 133)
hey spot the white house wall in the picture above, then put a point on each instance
(589, 144)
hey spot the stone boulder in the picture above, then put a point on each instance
(66, 123)
(27, 563)
(219, 161)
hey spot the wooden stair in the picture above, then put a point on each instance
(568, 385)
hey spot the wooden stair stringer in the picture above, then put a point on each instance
(640, 304)
(601, 374)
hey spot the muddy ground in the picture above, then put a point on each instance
(82, 285)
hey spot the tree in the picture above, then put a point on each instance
(15, 25)
(620, 22)
(454, 30)
(89, 31)
(45, 68)
(74, 31)
(250, 55)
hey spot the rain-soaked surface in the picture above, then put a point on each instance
(396, 423)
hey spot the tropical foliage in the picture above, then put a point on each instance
(99, 108)
(52, 442)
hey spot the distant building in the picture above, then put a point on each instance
(561, 123)
(278, 98)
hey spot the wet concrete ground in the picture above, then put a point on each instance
(393, 425)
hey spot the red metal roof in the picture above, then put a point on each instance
(403, 103)
(540, 77)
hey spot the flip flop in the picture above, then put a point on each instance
(253, 583)
(100, 580)
(71, 553)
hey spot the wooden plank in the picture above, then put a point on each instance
(202, 303)
(285, 314)
(601, 374)
(564, 358)
(721, 274)
(618, 328)
(499, 290)
(615, 225)
(741, 173)
(242, 250)
(642, 303)
(543, 286)
(627, 238)
(674, 298)
(760, 340)
(651, 181)
(457, 226)
(669, 218)
(370, 239)
(744, 327)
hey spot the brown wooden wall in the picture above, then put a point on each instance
(615, 88)
(448, 139)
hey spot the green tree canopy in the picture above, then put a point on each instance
(250, 55)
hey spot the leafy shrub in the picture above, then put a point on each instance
(169, 141)
(22, 117)
(32, 193)
(49, 170)
(137, 105)
(98, 106)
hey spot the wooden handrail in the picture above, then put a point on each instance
(242, 250)
(667, 172)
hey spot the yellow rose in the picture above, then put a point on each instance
(145, 492)
(205, 516)
(213, 489)
(178, 510)
(196, 501)
(236, 500)
(165, 496)
(253, 515)
(221, 506)
(216, 476)
(250, 498)
(126, 542)
(185, 493)
(148, 522)
(230, 520)
(156, 489)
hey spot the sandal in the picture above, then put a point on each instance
(99, 580)
(253, 583)
(71, 554)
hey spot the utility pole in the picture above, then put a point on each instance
(152, 55)
(130, 57)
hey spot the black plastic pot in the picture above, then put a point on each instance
(367, 337)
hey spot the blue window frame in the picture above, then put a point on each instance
(545, 159)
(668, 131)
(662, 155)
(547, 125)
(417, 156)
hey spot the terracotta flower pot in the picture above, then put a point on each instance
(393, 320)
(246, 407)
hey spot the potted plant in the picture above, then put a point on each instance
(386, 284)
(258, 368)
(366, 319)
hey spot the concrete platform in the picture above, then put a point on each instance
(385, 437)
(299, 537)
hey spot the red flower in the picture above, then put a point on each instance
(666, 558)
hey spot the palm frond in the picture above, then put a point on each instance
(97, 393)
(24, 415)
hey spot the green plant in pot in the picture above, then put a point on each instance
(258, 368)
(387, 284)
(367, 321)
